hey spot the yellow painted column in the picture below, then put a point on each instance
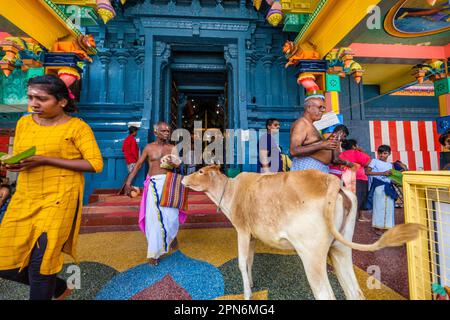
(335, 101)
(444, 105)
(332, 101)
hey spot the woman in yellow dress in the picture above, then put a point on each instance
(44, 215)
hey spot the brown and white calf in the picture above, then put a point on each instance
(301, 210)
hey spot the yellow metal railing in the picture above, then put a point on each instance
(427, 201)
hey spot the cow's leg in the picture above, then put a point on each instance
(314, 260)
(251, 255)
(341, 255)
(243, 250)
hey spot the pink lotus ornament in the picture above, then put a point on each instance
(308, 82)
(68, 75)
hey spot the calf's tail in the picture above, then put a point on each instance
(397, 236)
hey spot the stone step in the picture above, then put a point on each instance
(128, 220)
(108, 211)
(194, 209)
(110, 218)
(117, 199)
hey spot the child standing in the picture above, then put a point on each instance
(382, 195)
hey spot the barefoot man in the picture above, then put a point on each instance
(309, 149)
(160, 224)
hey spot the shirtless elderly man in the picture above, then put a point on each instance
(309, 149)
(160, 224)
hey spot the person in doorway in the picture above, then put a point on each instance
(160, 224)
(44, 216)
(130, 148)
(269, 153)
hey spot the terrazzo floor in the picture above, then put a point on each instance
(114, 267)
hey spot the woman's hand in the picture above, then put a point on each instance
(28, 163)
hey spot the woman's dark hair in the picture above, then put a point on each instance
(384, 148)
(444, 137)
(55, 87)
(270, 121)
(341, 127)
(349, 144)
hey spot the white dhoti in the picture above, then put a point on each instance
(161, 223)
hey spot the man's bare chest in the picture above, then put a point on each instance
(158, 152)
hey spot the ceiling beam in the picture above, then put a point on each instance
(396, 51)
(200, 88)
(331, 22)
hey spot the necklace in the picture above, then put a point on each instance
(38, 120)
(221, 197)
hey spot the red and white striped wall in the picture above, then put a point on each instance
(415, 143)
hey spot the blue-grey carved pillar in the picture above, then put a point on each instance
(267, 63)
(148, 76)
(162, 52)
(122, 58)
(249, 76)
(253, 75)
(139, 57)
(85, 83)
(283, 82)
(167, 89)
(181, 104)
(242, 85)
(230, 54)
(105, 59)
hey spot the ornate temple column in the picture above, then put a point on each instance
(105, 59)
(255, 59)
(283, 82)
(162, 52)
(249, 76)
(139, 57)
(230, 54)
(122, 58)
(85, 83)
(442, 91)
(267, 62)
(181, 104)
(167, 91)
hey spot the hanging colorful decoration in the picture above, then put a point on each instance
(105, 10)
(275, 15)
(340, 61)
(307, 80)
(9, 60)
(20, 52)
(434, 70)
(68, 75)
(257, 4)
